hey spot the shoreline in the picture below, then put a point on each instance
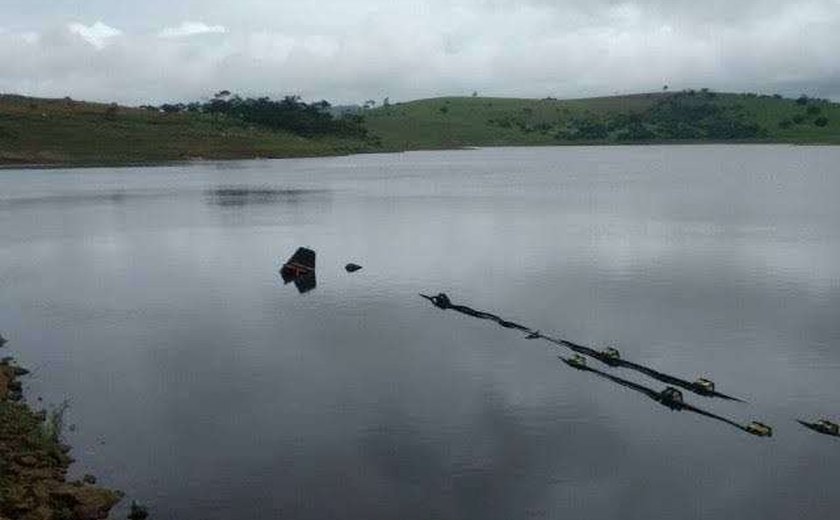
(34, 462)
(202, 160)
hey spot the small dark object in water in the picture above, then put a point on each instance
(823, 426)
(759, 429)
(3, 340)
(576, 361)
(671, 397)
(301, 263)
(534, 334)
(441, 301)
(352, 268)
(704, 385)
(300, 269)
(138, 512)
(611, 356)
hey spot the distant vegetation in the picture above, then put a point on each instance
(290, 114)
(666, 117)
(64, 131)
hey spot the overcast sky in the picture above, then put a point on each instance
(347, 51)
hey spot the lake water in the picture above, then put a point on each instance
(203, 387)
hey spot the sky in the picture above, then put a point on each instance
(349, 51)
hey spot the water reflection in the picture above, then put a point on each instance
(243, 195)
(120, 196)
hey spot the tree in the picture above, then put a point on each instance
(802, 100)
(111, 111)
(821, 121)
(172, 108)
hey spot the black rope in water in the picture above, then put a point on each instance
(442, 301)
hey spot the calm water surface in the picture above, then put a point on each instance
(149, 298)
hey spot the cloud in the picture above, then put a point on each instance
(97, 34)
(350, 52)
(191, 29)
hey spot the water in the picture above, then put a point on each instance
(199, 384)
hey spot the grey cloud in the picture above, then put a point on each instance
(347, 52)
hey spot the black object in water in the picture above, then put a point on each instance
(609, 357)
(442, 301)
(300, 269)
(823, 426)
(670, 397)
(352, 268)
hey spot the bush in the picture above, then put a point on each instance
(813, 110)
(799, 119)
(821, 121)
(138, 512)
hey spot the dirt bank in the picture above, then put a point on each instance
(34, 463)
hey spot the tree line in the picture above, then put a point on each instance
(290, 114)
(687, 115)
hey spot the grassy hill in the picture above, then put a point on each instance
(700, 116)
(63, 131)
(67, 132)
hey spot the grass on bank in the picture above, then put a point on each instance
(63, 131)
(451, 122)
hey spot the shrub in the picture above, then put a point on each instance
(821, 121)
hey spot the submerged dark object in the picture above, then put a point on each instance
(300, 269)
(823, 426)
(669, 397)
(352, 268)
(610, 356)
(3, 340)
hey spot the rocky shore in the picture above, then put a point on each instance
(34, 462)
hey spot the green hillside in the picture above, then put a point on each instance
(67, 132)
(63, 131)
(700, 116)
